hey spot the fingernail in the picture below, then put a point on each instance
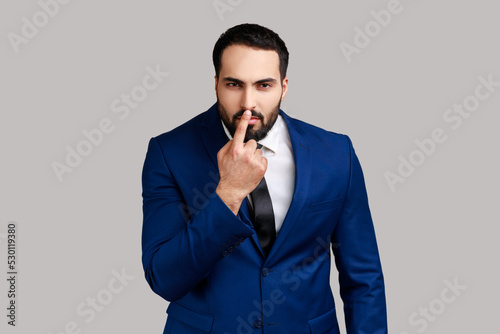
(247, 112)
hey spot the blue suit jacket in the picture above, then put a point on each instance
(208, 262)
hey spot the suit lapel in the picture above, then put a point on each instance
(302, 159)
(212, 133)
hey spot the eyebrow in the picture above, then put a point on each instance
(255, 83)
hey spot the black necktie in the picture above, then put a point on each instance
(263, 215)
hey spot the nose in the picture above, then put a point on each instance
(247, 99)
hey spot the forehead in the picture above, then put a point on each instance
(246, 63)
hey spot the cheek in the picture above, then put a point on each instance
(228, 97)
(270, 101)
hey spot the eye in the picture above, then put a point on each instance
(265, 85)
(233, 84)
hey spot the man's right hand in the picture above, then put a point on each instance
(241, 167)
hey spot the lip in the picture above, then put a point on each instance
(252, 120)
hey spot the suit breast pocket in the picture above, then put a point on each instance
(326, 205)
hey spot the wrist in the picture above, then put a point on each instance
(232, 201)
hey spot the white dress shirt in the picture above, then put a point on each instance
(280, 173)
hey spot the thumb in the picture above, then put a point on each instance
(264, 162)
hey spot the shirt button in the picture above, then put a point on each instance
(265, 272)
(258, 323)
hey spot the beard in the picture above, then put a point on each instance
(255, 134)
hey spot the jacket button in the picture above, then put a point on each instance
(265, 272)
(258, 323)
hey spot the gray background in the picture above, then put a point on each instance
(438, 225)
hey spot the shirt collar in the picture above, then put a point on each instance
(272, 140)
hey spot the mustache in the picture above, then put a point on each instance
(254, 114)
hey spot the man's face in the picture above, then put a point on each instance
(249, 79)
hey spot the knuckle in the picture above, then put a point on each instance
(235, 152)
(246, 158)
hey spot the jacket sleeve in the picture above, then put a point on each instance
(177, 254)
(357, 259)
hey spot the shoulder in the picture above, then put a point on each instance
(182, 132)
(315, 135)
(174, 144)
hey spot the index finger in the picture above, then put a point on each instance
(239, 134)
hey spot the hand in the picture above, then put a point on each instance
(241, 167)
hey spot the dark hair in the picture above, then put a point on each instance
(252, 35)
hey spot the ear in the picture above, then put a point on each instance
(284, 85)
(215, 77)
